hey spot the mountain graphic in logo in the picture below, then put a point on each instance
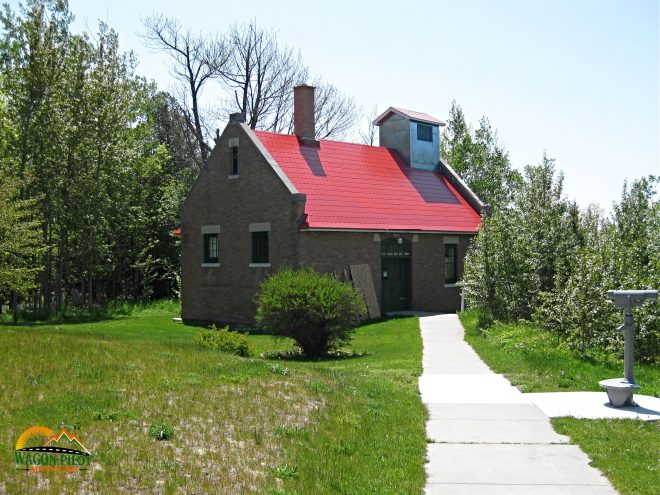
(61, 442)
(67, 441)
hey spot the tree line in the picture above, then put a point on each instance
(95, 160)
(540, 257)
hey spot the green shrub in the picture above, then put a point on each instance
(226, 341)
(317, 311)
(161, 431)
(541, 258)
(485, 319)
(284, 471)
(107, 415)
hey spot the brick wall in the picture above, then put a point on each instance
(335, 251)
(428, 268)
(257, 195)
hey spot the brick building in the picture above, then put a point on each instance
(266, 200)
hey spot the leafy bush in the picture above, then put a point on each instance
(161, 431)
(317, 311)
(226, 341)
(542, 258)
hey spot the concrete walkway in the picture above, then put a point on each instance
(488, 438)
(594, 405)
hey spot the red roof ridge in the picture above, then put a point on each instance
(293, 136)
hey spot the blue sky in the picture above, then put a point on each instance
(579, 79)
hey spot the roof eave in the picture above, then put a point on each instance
(388, 231)
(463, 189)
(396, 111)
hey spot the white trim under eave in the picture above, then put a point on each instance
(381, 231)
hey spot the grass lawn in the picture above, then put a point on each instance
(534, 360)
(241, 425)
(626, 451)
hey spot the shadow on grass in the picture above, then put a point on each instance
(72, 319)
(260, 329)
(298, 355)
(72, 315)
(69, 320)
(247, 328)
(338, 355)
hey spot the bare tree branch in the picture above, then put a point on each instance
(262, 76)
(335, 113)
(369, 134)
(194, 60)
(259, 74)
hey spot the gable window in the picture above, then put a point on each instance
(451, 264)
(210, 234)
(234, 160)
(424, 133)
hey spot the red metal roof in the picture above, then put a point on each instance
(355, 186)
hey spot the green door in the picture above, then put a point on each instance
(396, 274)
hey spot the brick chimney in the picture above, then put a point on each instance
(303, 114)
(238, 118)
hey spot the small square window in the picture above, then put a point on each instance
(451, 264)
(424, 133)
(234, 160)
(210, 248)
(260, 247)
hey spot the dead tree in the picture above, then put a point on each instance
(262, 75)
(335, 113)
(194, 60)
(369, 134)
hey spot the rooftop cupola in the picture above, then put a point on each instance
(415, 135)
